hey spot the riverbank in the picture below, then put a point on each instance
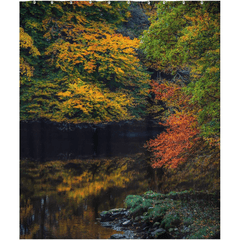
(179, 215)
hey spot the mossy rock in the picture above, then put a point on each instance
(117, 210)
(137, 219)
(156, 214)
(137, 205)
(156, 224)
(153, 195)
(132, 201)
(171, 220)
(103, 213)
(137, 211)
(159, 233)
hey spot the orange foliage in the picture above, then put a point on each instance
(171, 94)
(168, 148)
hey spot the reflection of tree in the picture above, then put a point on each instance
(80, 227)
(60, 217)
(88, 179)
(27, 229)
(67, 196)
(93, 182)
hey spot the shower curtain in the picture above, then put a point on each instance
(119, 107)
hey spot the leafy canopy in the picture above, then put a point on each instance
(186, 37)
(86, 71)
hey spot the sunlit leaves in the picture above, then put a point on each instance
(109, 61)
(86, 102)
(79, 41)
(26, 42)
(27, 49)
(110, 55)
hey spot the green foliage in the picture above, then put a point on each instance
(133, 200)
(201, 233)
(171, 219)
(159, 42)
(152, 205)
(157, 212)
(28, 54)
(194, 214)
(153, 195)
(38, 18)
(187, 37)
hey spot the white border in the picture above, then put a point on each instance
(230, 64)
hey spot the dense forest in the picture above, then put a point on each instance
(101, 62)
(119, 119)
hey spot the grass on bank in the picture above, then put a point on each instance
(186, 214)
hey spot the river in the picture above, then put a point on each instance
(70, 173)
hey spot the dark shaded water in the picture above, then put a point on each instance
(69, 174)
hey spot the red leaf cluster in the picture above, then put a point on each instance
(169, 147)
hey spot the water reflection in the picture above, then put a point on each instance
(62, 199)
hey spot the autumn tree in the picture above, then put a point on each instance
(88, 102)
(28, 55)
(84, 56)
(185, 39)
(28, 49)
(170, 147)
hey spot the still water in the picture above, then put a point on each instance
(63, 189)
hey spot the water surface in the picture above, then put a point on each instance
(68, 178)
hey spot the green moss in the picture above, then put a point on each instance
(137, 205)
(170, 220)
(201, 233)
(132, 201)
(137, 211)
(156, 213)
(181, 213)
(153, 195)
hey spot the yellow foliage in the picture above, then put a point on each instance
(88, 49)
(26, 42)
(90, 99)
